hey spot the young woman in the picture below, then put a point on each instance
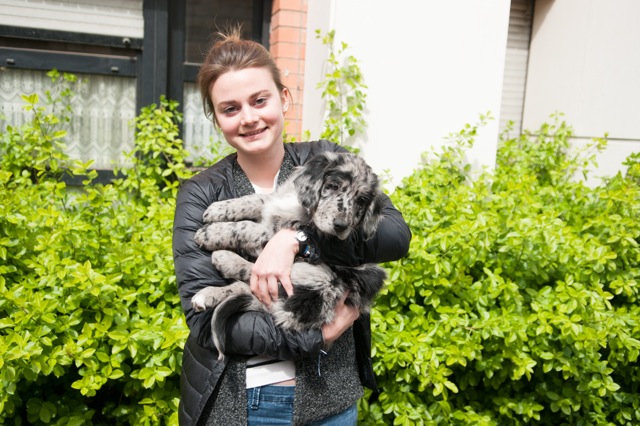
(271, 375)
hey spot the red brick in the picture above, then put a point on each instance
(288, 18)
(289, 4)
(290, 65)
(288, 48)
(287, 35)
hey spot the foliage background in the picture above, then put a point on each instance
(516, 305)
(91, 329)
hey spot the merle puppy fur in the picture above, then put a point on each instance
(335, 194)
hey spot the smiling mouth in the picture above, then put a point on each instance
(254, 133)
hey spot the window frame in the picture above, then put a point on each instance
(156, 61)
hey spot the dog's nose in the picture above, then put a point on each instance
(340, 226)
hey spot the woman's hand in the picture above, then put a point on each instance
(273, 266)
(345, 317)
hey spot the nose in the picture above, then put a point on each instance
(340, 225)
(249, 116)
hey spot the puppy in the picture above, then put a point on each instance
(335, 194)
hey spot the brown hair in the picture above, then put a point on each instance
(233, 53)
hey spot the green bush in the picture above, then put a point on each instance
(518, 302)
(516, 305)
(344, 94)
(91, 329)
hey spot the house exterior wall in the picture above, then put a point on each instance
(584, 62)
(430, 67)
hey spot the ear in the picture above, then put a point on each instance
(285, 96)
(308, 181)
(373, 215)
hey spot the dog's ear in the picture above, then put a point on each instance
(309, 181)
(373, 215)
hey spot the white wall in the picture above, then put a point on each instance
(584, 61)
(430, 67)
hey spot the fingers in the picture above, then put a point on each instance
(273, 267)
(345, 316)
(266, 285)
(272, 289)
(265, 288)
(286, 283)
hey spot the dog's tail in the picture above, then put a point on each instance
(238, 303)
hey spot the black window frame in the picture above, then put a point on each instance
(156, 61)
(180, 71)
(124, 62)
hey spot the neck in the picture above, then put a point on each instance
(262, 169)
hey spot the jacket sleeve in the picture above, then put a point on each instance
(255, 333)
(391, 240)
(250, 333)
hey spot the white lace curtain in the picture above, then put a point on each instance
(201, 138)
(104, 107)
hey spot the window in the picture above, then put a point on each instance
(204, 19)
(127, 53)
(101, 44)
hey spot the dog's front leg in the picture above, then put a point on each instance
(245, 237)
(248, 207)
(231, 265)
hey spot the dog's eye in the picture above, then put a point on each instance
(332, 186)
(362, 200)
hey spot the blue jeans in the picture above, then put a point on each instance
(273, 405)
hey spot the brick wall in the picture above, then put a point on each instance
(287, 42)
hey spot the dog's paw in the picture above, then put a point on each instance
(207, 298)
(201, 237)
(223, 257)
(216, 212)
(211, 297)
(198, 302)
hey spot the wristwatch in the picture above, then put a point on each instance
(306, 250)
(302, 239)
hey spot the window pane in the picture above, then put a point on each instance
(101, 127)
(204, 143)
(205, 18)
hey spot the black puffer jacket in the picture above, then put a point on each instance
(255, 333)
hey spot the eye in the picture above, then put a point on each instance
(363, 200)
(261, 101)
(229, 110)
(331, 186)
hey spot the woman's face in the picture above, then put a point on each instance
(249, 110)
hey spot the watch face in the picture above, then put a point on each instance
(301, 236)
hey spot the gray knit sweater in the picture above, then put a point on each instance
(324, 387)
